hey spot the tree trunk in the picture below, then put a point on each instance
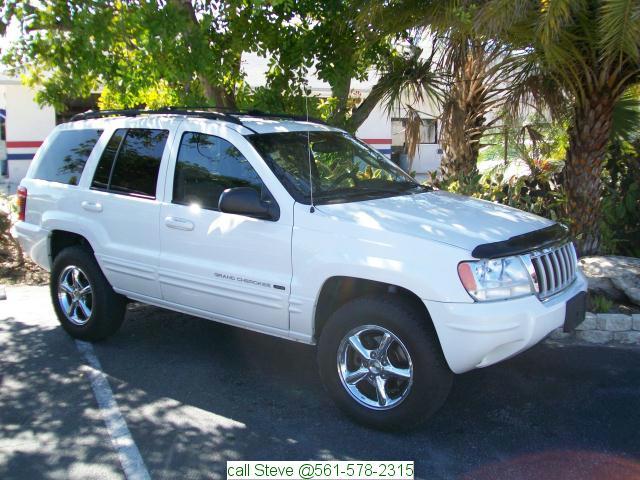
(462, 128)
(588, 139)
(362, 112)
(215, 94)
(341, 89)
(472, 93)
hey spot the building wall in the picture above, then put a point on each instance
(27, 125)
(376, 131)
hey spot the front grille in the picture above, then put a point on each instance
(552, 269)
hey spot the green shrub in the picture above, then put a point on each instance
(600, 304)
(620, 224)
(540, 192)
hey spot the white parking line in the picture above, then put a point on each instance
(128, 453)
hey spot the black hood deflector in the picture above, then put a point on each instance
(524, 243)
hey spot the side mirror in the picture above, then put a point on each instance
(246, 201)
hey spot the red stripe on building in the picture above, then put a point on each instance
(377, 141)
(35, 144)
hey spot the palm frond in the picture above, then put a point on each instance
(409, 77)
(398, 15)
(412, 133)
(510, 19)
(554, 16)
(619, 25)
(534, 88)
(626, 115)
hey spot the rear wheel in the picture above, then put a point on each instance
(85, 304)
(381, 362)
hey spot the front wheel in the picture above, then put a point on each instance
(380, 361)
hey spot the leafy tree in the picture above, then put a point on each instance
(141, 52)
(332, 41)
(184, 52)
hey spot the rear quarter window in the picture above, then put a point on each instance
(66, 156)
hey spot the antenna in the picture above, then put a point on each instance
(313, 208)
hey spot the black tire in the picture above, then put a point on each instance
(107, 307)
(432, 378)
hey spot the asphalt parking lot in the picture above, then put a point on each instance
(195, 394)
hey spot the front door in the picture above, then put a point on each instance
(230, 267)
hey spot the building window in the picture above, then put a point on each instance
(3, 131)
(428, 131)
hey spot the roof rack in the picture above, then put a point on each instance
(251, 113)
(199, 111)
(134, 112)
(298, 118)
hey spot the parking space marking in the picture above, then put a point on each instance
(128, 453)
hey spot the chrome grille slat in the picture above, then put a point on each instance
(565, 262)
(542, 277)
(563, 268)
(555, 269)
(551, 275)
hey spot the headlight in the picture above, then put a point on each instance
(497, 279)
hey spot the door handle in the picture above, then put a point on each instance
(91, 206)
(178, 223)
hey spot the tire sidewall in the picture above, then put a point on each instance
(431, 376)
(105, 302)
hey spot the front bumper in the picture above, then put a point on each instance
(475, 335)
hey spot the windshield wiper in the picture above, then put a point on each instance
(337, 193)
(398, 188)
(421, 187)
(364, 192)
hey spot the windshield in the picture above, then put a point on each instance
(342, 168)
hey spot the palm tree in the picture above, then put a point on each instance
(476, 70)
(471, 69)
(591, 50)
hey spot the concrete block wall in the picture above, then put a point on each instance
(605, 328)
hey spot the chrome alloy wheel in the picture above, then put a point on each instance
(75, 295)
(375, 367)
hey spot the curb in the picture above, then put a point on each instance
(604, 329)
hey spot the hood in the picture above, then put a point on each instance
(445, 217)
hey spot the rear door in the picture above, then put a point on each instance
(229, 267)
(123, 200)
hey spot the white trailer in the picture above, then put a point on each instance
(26, 125)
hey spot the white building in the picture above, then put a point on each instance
(27, 125)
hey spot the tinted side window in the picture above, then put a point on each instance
(206, 167)
(65, 158)
(103, 170)
(134, 171)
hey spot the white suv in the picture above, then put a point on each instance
(298, 230)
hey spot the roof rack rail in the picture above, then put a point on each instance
(251, 113)
(199, 111)
(298, 118)
(134, 112)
